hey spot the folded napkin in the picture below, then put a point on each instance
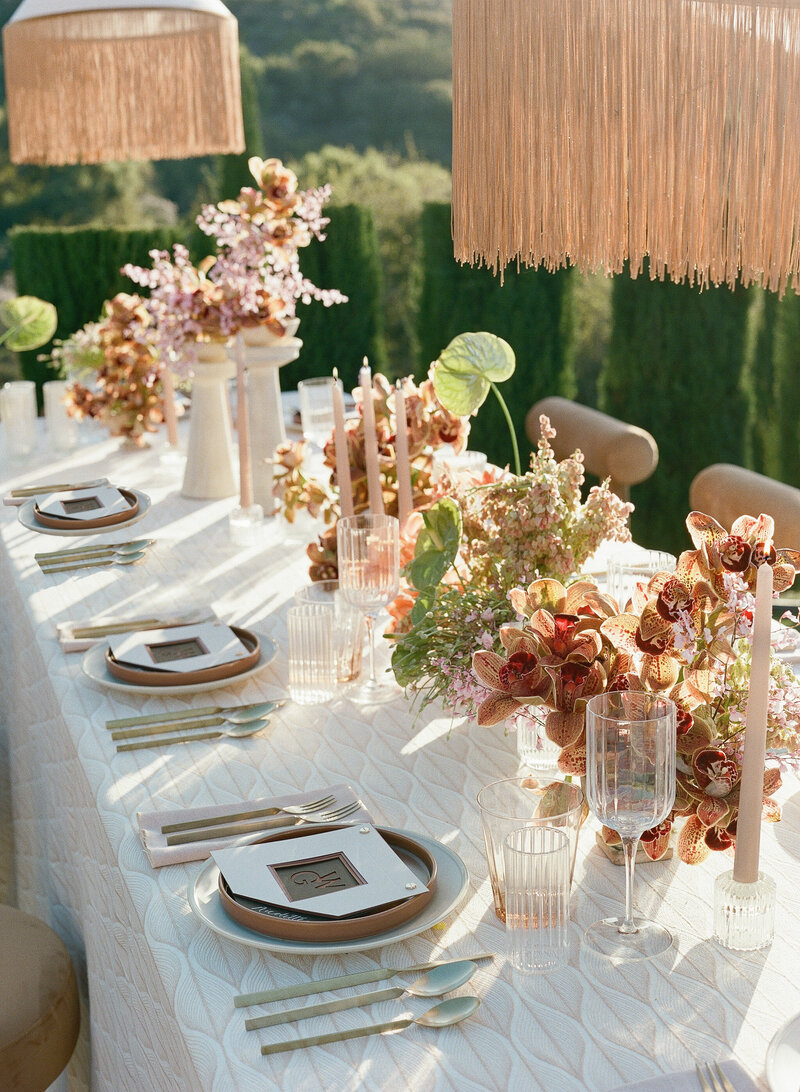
(159, 853)
(70, 643)
(689, 1082)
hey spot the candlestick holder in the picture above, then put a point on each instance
(246, 525)
(744, 913)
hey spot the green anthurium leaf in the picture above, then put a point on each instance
(437, 544)
(30, 321)
(462, 374)
(425, 601)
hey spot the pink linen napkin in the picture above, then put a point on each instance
(688, 1081)
(159, 853)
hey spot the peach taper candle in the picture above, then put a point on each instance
(403, 465)
(342, 451)
(168, 399)
(751, 791)
(370, 441)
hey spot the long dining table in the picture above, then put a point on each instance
(158, 984)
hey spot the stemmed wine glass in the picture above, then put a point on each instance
(368, 558)
(630, 786)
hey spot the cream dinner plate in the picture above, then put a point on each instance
(25, 514)
(451, 887)
(94, 667)
(783, 1058)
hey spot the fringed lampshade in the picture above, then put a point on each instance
(591, 132)
(89, 83)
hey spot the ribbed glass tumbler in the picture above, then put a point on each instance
(312, 664)
(537, 866)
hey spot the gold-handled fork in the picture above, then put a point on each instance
(237, 829)
(713, 1080)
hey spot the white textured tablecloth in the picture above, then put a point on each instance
(158, 986)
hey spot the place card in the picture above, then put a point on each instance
(179, 648)
(84, 504)
(335, 874)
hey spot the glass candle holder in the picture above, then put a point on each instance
(744, 913)
(18, 414)
(62, 430)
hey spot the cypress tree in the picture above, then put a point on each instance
(674, 368)
(771, 389)
(531, 310)
(342, 335)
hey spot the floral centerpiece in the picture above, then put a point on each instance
(477, 544)
(114, 370)
(685, 634)
(430, 428)
(254, 279)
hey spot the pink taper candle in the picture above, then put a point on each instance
(243, 429)
(404, 501)
(168, 398)
(342, 453)
(751, 792)
(370, 442)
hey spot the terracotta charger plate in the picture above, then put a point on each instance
(274, 921)
(144, 677)
(91, 524)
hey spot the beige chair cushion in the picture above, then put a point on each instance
(727, 492)
(611, 448)
(39, 1008)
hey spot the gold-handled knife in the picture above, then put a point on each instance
(58, 487)
(321, 985)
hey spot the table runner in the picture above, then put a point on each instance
(158, 986)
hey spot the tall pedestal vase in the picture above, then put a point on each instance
(210, 471)
(265, 354)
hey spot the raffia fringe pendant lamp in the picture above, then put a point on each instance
(591, 132)
(88, 83)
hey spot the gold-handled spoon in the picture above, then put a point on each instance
(235, 731)
(113, 559)
(55, 556)
(452, 1011)
(441, 980)
(235, 718)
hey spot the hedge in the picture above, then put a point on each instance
(342, 335)
(771, 388)
(77, 269)
(531, 310)
(674, 367)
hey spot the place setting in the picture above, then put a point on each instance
(171, 661)
(92, 509)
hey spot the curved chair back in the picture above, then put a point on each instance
(725, 492)
(611, 449)
(39, 1006)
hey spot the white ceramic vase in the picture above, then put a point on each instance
(210, 471)
(265, 354)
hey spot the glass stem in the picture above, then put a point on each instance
(629, 847)
(369, 622)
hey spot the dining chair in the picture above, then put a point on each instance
(611, 448)
(725, 492)
(39, 1007)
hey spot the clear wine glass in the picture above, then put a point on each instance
(630, 786)
(368, 558)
